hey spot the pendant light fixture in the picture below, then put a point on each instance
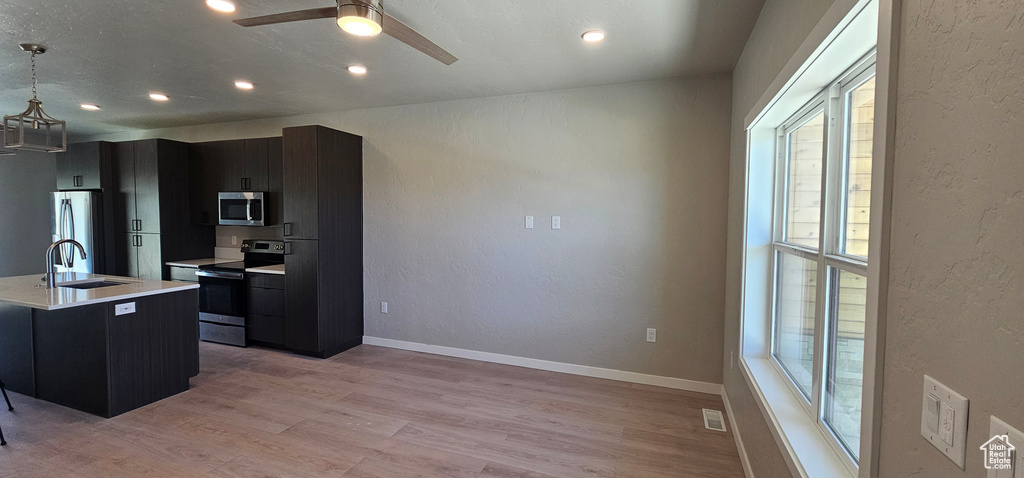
(34, 130)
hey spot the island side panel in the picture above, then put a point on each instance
(70, 357)
(154, 351)
(17, 369)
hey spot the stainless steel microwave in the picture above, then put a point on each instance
(241, 209)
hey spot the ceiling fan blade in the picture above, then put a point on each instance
(311, 14)
(405, 34)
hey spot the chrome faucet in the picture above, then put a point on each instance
(51, 266)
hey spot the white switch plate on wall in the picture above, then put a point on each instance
(126, 308)
(1016, 439)
(944, 419)
(556, 222)
(529, 222)
(383, 307)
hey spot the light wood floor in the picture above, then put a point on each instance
(376, 412)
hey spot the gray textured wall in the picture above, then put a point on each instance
(26, 180)
(781, 28)
(639, 174)
(955, 295)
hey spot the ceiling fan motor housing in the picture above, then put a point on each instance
(366, 14)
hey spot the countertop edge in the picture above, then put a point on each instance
(103, 300)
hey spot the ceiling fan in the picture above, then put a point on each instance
(362, 18)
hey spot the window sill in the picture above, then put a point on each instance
(806, 448)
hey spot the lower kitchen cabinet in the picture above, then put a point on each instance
(265, 309)
(302, 297)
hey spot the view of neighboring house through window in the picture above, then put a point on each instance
(823, 195)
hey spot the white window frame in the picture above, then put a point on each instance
(848, 30)
(831, 103)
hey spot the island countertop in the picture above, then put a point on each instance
(31, 291)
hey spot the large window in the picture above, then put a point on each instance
(820, 245)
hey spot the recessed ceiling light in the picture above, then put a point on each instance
(90, 107)
(243, 85)
(357, 69)
(593, 36)
(158, 97)
(221, 5)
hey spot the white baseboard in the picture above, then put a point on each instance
(744, 459)
(633, 377)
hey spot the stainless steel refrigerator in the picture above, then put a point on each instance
(78, 215)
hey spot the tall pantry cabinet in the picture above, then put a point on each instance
(323, 233)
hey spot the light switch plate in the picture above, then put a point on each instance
(123, 309)
(529, 222)
(999, 428)
(383, 307)
(951, 436)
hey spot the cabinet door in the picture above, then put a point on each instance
(126, 258)
(199, 211)
(147, 186)
(301, 207)
(255, 161)
(232, 165)
(302, 322)
(123, 187)
(275, 185)
(79, 168)
(150, 265)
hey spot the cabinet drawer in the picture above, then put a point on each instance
(266, 301)
(183, 274)
(266, 281)
(266, 328)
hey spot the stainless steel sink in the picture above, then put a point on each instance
(90, 284)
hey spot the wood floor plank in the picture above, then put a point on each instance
(374, 412)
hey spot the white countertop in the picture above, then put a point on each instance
(275, 269)
(30, 291)
(195, 263)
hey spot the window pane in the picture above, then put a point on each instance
(803, 191)
(861, 117)
(846, 358)
(794, 321)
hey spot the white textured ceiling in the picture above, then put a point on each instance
(114, 52)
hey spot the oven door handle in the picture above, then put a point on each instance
(220, 275)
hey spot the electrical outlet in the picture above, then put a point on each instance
(652, 335)
(234, 240)
(383, 307)
(122, 309)
(556, 222)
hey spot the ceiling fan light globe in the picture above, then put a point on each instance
(360, 20)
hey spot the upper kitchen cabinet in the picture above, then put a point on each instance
(230, 166)
(322, 181)
(84, 166)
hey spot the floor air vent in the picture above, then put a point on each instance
(714, 420)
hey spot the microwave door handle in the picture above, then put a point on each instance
(248, 210)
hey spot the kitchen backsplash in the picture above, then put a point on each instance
(232, 236)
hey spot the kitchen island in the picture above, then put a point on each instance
(101, 344)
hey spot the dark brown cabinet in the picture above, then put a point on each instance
(150, 188)
(84, 166)
(232, 166)
(323, 228)
(265, 318)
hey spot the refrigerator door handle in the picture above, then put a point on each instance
(71, 232)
